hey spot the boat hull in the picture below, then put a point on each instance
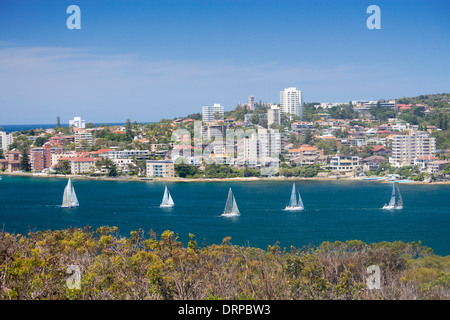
(392, 207)
(293, 208)
(230, 214)
(166, 205)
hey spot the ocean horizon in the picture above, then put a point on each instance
(25, 127)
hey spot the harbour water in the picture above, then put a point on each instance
(334, 210)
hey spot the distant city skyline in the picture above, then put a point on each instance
(147, 60)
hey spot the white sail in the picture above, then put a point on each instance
(300, 202)
(167, 200)
(69, 197)
(295, 203)
(400, 200)
(171, 200)
(75, 202)
(392, 201)
(231, 208)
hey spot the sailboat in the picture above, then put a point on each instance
(294, 203)
(392, 202)
(69, 198)
(231, 208)
(167, 201)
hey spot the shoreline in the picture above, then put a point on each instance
(237, 179)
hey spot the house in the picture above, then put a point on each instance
(372, 162)
(423, 161)
(344, 164)
(380, 150)
(305, 152)
(437, 166)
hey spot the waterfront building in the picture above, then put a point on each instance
(42, 157)
(437, 166)
(423, 161)
(406, 148)
(212, 113)
(291, 101)
(11, 162)
(82, 165)
(372, 162)
(160, 168)
(344, 164)
(306, 155)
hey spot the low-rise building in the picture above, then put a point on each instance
(344, 164)
(82, 165)
(373, 162)
(11, 162)
(437, 166)
(423, 161)
(160, 168)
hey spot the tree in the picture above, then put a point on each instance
(20, 143)
(39, 142)
(128, 130)
(24, 162)
(63, 167)
(113, 171)
(308, 137)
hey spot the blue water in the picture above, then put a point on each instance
(336, 210)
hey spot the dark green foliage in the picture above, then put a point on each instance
(144, 266)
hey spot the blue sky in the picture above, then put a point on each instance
(147, 60)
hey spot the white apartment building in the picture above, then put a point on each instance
(5, 141)
(406, 148)
(77, 122)
(261, 149)
(291, 101)
(212, 113)
(273, 115)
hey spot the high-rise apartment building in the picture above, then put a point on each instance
(262, 148)
(41, 157)
(291, 101)
(212, 113)
(273, 115)
(5, 141)
(406, 148)
(77, 122)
